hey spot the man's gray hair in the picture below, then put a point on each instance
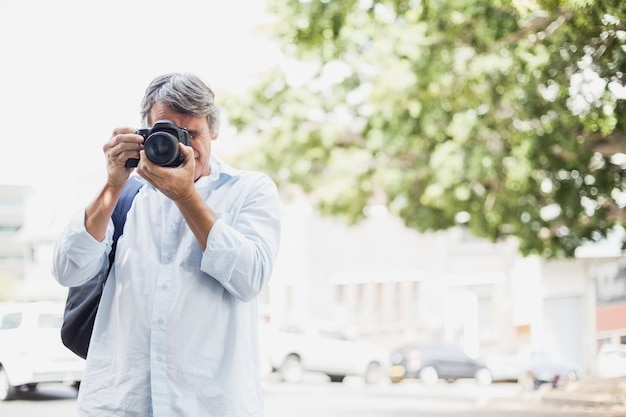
(183, 93)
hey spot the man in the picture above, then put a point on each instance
(176, 330)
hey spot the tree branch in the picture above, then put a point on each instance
(546, 24)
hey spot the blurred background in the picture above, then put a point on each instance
(451, 172)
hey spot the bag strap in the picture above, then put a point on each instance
(131, 189)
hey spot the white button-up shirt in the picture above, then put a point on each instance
(176, 330)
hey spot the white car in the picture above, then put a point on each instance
(532, 368)
(31, 351)
(293, 351)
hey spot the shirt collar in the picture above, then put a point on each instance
(220, 170)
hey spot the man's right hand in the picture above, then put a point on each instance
(123, 145)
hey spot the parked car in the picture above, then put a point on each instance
(31, 351)
(611, 360)
(430, 362)
(292, 351)
(532, 367)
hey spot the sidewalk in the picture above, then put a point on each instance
(608, 393)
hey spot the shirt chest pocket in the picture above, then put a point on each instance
(193, 256)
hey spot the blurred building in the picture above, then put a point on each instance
(30, 221)
(13, 252)
(609, 277)
(392, 285)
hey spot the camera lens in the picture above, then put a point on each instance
(162, 148)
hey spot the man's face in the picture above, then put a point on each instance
(199, 134)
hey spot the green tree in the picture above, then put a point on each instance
(507, 116)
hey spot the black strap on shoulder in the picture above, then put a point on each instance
(131, 188)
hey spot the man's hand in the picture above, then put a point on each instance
(122, 145)
(177, 183)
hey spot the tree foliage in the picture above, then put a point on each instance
(506, 116)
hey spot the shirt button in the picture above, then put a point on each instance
(159, 358)
(164, 286)
(160, 320)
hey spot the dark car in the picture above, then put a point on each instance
(430, 362)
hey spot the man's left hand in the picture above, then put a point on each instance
(175, 182)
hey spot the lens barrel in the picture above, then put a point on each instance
(162, 149)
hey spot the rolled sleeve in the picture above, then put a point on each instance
(78, 256)
(242, 247)
(222, 251)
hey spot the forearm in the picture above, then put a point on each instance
(99, 211)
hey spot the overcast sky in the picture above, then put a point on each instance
(73, 70)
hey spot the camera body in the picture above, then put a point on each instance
(160, 143)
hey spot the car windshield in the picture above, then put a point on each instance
(11, 321)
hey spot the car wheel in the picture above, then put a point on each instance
(336, 378)
(429, 376)
(483, 377)
(373, 373)
(6, 390)
(395, 379)
(292, 369)
(530, 381)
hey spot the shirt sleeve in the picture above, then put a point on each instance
(240, 254)
(78, 256)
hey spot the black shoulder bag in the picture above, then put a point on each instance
(82, 302)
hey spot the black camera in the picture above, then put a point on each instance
(161, 144)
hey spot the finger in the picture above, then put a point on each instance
(120, 138)
(187, 152)
(131, 138)
(124, 151)
(123, 145)
(123, 130)
(149, 168)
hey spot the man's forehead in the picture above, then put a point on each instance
(193, 124)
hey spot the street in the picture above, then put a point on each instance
(316, 397)
(410, 399)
